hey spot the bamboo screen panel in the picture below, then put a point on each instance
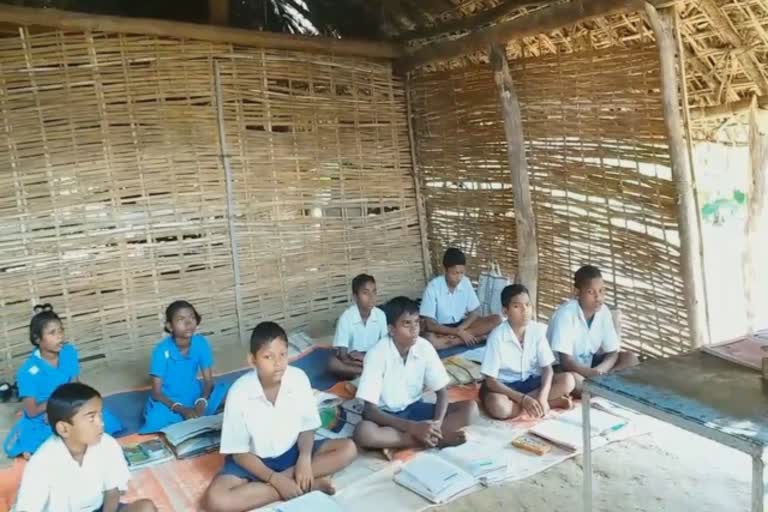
(599, 172)
(113, 200)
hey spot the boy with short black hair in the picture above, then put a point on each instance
(359, 328)
(450, 308)
(396, 372)
(582, 332)
(268, 434)
(79, 467)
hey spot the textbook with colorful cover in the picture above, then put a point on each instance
(314, 501)
(194, 437)
(435, 478)
(147, 453)
(566, 429)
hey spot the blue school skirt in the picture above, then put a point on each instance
(532, 383)
(28, 434)
(277, 464)
(417, 411)
(157, 415)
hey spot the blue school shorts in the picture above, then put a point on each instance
(277, 464)
(532, 383)
(417, 411)
(597, 359)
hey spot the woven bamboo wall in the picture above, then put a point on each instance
(600, 178)
(113, 198)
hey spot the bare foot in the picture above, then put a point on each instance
(388, 453)
(325, 485)
(564, 402)
(453, 439)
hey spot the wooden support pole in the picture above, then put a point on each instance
(525, 221)
(542, 21)
(218, 12)
(662, 22)
(420, 206)
(75, 21)
(756, 230)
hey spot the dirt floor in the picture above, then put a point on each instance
(667, 470)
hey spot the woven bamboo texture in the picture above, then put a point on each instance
(112, 190)
(599, 172)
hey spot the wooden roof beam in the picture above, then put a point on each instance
(80, 22)
(485, 17)
(542, 21)
(725, 28)
(727, 109)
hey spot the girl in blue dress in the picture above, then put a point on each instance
(52, 363)
(177, 393)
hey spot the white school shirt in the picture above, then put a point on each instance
(394, 384)
(569, 334)
(445, 306)
(53, 481)
(252, 424)
(353, 334)
(509, 361)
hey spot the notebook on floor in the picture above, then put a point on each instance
(146, 454)
(434, 478)
(566, 429)
(194, 437)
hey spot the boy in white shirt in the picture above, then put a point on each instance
(518, 364)
(360, 326)
(450, 308)
(582, 332)
(79, 468)
(268, 434)
(396, 372)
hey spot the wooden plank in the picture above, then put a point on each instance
(755, 229)
(662, 22)
(65, 20)
(542, 21)
(525, 221)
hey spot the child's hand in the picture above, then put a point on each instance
(356, 356)
(286, 487)
(544, 403)
(425, 432)
(303, 474)
(466, 337)
(200, 409)
(531, 406)
(187, 413)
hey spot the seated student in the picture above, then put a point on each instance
(268, 433)
(360, 326)
(52, 363)
(450, 307)
(396, 372)
(177, 394)
(518, 364)
(80, 468)
(582, 332)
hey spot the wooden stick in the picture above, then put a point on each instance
(727, 109)
(84, 22)
(689, 147)
(417, 185)
(541, 21)
(755, 229)
(231, 213)
(525, 220)
(662, 24)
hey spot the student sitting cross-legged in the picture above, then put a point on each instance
(450, 308)
(396, 372)
(518, 364)
(177, 394)
(79, 468)
(582, 332)
(268, 433)
(360, 326)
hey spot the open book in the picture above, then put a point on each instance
(147, 453)
(435, 478)
(314, 501)
(485, 463)
(194, 437)
(566, 429)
